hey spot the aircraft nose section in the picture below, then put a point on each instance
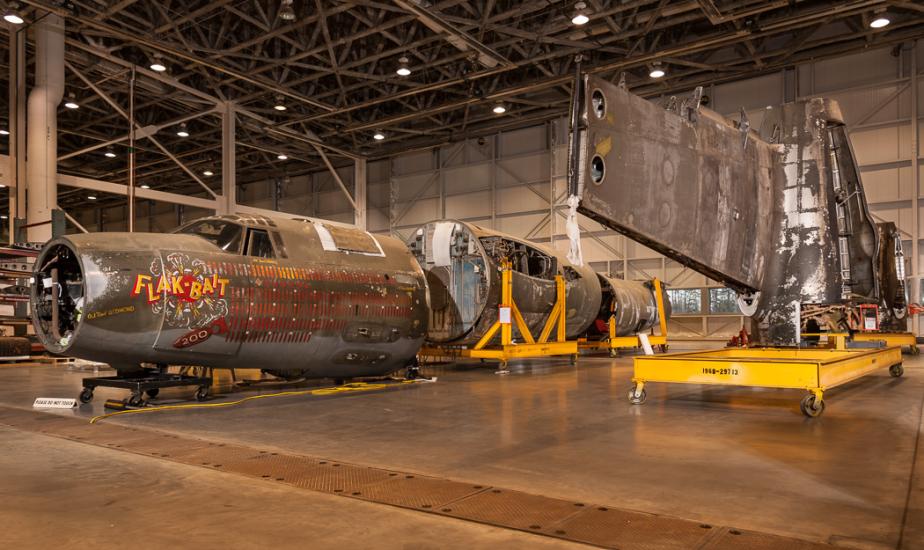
(85, 297)
(58, 295)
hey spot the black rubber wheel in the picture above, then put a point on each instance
(637, 399)
(896, 370)
(86, 395)
(202, 393)
(152, 393)
(136, 400)
(664, 348)
(812, 407)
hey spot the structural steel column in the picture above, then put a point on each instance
(228, 199)
(360, 178)
(916, 191)
(17, 129)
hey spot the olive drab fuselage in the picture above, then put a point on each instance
(301, 297)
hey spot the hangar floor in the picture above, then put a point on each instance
(744, 459)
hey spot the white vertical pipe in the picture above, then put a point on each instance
(360, 182)
(228, 200)
(130, 195)
(916, 193)
(46, 95)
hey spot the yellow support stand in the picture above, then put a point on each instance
(614, 343)
(812, 369)
(508, 315)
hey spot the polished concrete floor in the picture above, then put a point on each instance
(728, 456)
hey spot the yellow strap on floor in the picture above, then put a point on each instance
(352, 387)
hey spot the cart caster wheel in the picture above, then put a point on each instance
(663, 348)
(915, 350)
(614, 353)
(136, 400)
(413, 373)
(896, 370)
(86, 395)
(637, 399)
(812, 407)
(574, 359)
(152, 393)
(203, 393)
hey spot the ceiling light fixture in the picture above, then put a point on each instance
(657, 71)
(71, 101)
(378, 135)
(4, 132)
(279, 106)
(282, 157)
(879, 22)
(109, 153)
(403, 68)
(286, 12)
(499, 108)
(145, 186)
(11, 15)
(157, 64)
(208, 173)
(580, 16)
(182, 132)
(91, 197)
(4, 217)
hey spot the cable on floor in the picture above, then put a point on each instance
(345, 388)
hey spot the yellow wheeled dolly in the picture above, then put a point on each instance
(614, 343)
(815, 370)
(890, 338)
(509, 314)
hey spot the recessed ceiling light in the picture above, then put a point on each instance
(403, 68)
(157, 64)
(282, 157)
(378, 136)
(580, 14)
(286, 12)
(879, 22)
(657, 71)
(208, 173)
(12, 16)
(91, 197)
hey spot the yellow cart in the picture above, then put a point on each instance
(814, 370)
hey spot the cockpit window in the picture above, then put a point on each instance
(259, 244)
(223, 234)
